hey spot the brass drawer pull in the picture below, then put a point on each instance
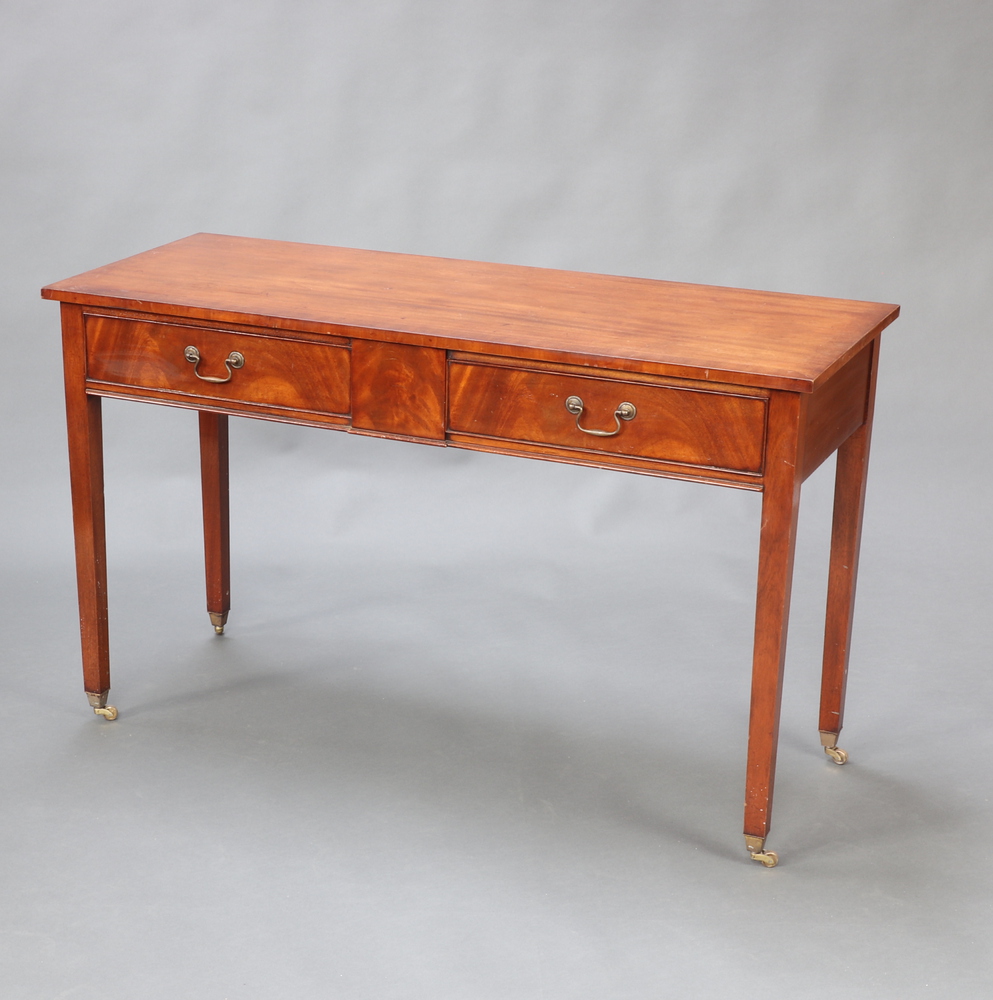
(234, 360)
(624, 411)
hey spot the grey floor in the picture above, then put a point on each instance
(477, 728)
(498, 753)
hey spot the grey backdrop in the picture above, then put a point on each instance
(478, 726)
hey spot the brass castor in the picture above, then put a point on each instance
(830, 743)
(218, 619)
(756, 848)
(98, 702)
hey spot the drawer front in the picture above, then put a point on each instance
(398, 390)
(275, 375)
(684, 426)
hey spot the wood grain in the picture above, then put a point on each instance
(741, 388)
(846, 534)
(697, 331)
(606, 460)
(278, 372)
(836, 410)
(398, 390)
(83, 420)
(685, 426)
(777, 545)
(216, 510)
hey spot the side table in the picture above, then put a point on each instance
(747, 389)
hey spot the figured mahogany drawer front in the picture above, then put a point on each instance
(686, 426)
(272, 373)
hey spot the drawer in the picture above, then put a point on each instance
(689, 424)
(275, 375)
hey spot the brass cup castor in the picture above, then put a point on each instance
(218, 619)
(830, 743)
(98, 702)
(756, 848)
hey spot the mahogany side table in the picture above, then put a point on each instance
(747, 389)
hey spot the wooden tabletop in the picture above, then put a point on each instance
(757, 338)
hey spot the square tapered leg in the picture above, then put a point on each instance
(216, 522)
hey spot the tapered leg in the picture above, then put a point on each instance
(780, 505)
(216, 531)
(846, 534)
(849, 501)
(83, 419)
